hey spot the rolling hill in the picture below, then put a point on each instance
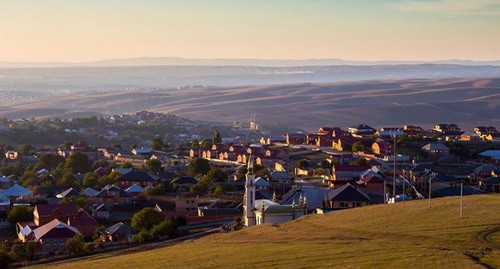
(468, 102)
(408, 235)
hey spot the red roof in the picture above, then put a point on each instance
(84, 218)
(341, 167)
(46, 210)
(372, 179)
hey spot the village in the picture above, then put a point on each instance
(82, 198)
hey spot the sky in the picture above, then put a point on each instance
(90, 30)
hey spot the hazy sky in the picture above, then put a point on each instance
(87, 30)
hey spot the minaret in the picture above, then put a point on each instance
(249, 198)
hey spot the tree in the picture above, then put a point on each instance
(90, 180)
(217, 137)
(358, 146)
(156, 190)
(75, 244)
(30, 250)
(198, 166)
(361, 161)
(20, 213)
(153, 165)
(49, 161)
(157, 144)
(142, 236)
(78, 163)
(26, 149)
(146, 218)
(164, 228)
(195, 144)
(126, 165)
(303, 163)
(217, 175)
(18, 252)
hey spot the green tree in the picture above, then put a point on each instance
(49, 161)
(126, 165)
(217, 175)
(153, 165)
(303, 163)
(164, 228)
(157, 144)
(90, 180)
(78, 163)
(20, 213)
(18, 252)
(146, 218)
(198, 166)
(142, 236)
(361, 161)
(195, 144)
(156, 190)
(75, 244)
(30, 250)
(358, 146)
(26, 149)
(217, 137)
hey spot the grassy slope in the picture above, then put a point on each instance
(399, 236)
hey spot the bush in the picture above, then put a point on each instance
(146, 219)
(164, 228)
(142, 236)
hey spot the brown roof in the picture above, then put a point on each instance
(340, 167)
(83, 219)
(45, 210)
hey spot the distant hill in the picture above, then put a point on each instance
(468, 102)
(178, 61)
(408, 235)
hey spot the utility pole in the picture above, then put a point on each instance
(461, 198)
(385, 190)
(394, 171)
(404, 189)
(430, 188)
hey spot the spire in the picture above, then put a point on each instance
(250, 165)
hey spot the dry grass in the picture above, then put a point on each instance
(406, 235)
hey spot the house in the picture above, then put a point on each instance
(347, 196)
(361, 130)
(270, 140)
(184, 183)
(469, 137)
(491, 184)
(53, 235)
(486, 170)
(111, 195)
(137, 177)
(267, 211)
(16, 191)
(186, 203)
(436, 149)
(296, 138)
(383, 148)
(135, 190)
(261, 184)
(84, 222)
(118, 232)
(101, 212)
(371, 184)
(491, 155)
(342, 174)
(447, 129)
(412, 130)
(313, 195)
(484, 131)
(69, 193)
(344, 143)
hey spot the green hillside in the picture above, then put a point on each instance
(406, 235)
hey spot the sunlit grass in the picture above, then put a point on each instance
(406, 235)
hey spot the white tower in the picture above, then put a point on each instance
(249, 198)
